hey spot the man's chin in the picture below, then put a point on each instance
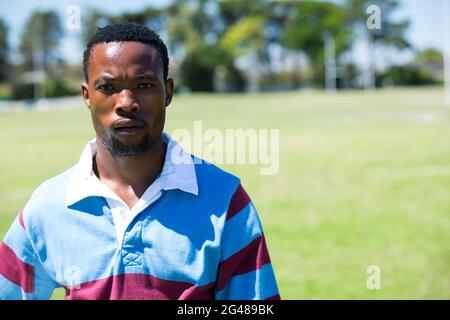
(125, 147)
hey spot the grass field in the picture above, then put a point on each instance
(364, 180)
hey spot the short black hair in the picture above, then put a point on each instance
(127, 32)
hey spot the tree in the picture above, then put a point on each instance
(39, 49)
(391, 33)
(194, 37)
(152, 17)
(91, 22)
(430, 61)
(408, 75)
(306, 26)
(253, 29)
(41, 37)
(244, 37)
(429, 56)
(189, 26)
(4, 49)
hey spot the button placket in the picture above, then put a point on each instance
(132, 245)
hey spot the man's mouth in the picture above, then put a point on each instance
(128, 127)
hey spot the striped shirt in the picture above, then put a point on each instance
(194, 234)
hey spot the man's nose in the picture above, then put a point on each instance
(126, 102)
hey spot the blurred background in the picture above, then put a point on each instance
(357, 89)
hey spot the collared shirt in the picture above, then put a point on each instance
(84, 183)
(194, 234)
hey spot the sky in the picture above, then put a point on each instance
(425, 15)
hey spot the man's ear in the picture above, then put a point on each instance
(85, 93)
(169, 91)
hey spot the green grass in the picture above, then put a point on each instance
(364, 180)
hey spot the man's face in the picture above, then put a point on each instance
(127, 96)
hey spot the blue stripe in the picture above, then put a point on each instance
(189, 255)
(255, 285)
(74, 244)
(240, 230)
(11, 291)
(43, 284)
(16, 238)
(177, 245)
(18, 241)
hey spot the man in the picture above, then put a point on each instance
(137, 217)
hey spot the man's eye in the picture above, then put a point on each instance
(145, 85)
(106, 87)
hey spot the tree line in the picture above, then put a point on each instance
(230, 46)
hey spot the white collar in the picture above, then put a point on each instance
(178, 172)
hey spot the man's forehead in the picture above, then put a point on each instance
(123, 54)
(124, 48)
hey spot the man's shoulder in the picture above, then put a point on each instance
(214, 178)
(52, 191)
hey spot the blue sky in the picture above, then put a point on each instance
(425, 16)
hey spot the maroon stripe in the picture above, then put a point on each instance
(275, 297)
(21, 219)
(15, 270)
(138, 287)
(252, 257)
(198, 293)
(238, 202)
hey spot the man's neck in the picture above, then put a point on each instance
(129, 176)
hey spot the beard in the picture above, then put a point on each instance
(117, 148)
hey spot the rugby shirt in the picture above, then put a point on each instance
(194, 234)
